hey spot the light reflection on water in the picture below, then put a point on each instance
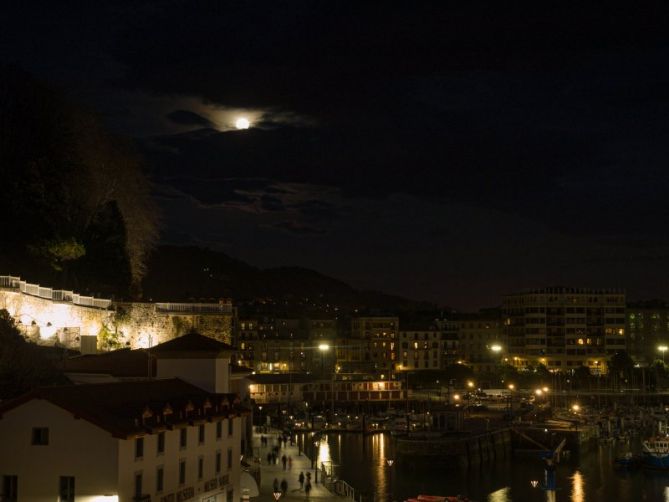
(362, 462)
(577, 489)
(503, 495)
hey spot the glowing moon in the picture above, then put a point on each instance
(242, 123)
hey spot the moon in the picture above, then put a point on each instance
(242, 123)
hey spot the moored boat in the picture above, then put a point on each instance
(656, 449)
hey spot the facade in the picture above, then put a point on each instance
(647, 325)
(477, 334)
(162, 440)
(373, 346)
(420, 349)
(564, 328)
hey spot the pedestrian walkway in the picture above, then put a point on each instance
(300, 463)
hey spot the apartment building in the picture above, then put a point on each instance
(480, 340)
(647, 327)
(564, 328)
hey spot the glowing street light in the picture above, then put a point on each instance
(575, 408)
(538, 392)
(496, 348)
(512, 387)
(323, 347)
(470, 384)
(663, 349)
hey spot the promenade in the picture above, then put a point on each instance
(300, 463)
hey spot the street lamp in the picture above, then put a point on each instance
(663, 349)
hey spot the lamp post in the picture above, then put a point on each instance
(663, 349)
(317, 449)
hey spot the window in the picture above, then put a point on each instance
(200, 468)
(139, 448)
(40, 436)
(230, 426)
(138, 484)
(200, 434)
(10, 488)
(218, 462)
(229, 458)
(160, 476)
(161, 443)
(66, 489)
(219, 429)
(183, 438)
(182, 472)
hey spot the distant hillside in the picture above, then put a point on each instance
(190, 273)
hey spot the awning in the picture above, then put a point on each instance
(247, 482)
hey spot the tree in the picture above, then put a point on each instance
(581, 376)
(69, 179)
(23, 365)
(620, 367)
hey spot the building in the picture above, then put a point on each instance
(564, 328)
(420, 348)
(373, 348)
(479, 335)
(647, 325)
(162, 439)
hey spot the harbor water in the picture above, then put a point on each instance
(362, 461)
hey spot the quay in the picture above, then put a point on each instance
(323, 487)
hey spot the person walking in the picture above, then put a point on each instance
(300, 478)
(290, 463)
(269, 458)
(284, 460)
(284, 486)
(307, 488)
(276, 484)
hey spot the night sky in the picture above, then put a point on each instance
(447, 151)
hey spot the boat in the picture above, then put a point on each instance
(628, 461)
(656, 449)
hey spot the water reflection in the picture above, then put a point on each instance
(502, 495)
(577, 487)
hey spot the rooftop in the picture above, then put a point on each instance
(192, 344)
(128, 409)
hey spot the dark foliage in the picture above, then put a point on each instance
(23, 365)
(76, 211)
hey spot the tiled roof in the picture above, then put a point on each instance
(191, 343)
(127, 409)
(118, 363)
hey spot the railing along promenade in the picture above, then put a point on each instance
(56, 295)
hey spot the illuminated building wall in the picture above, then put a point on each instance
(564, 328)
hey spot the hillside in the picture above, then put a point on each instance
(190, 273)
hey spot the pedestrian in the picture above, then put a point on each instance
(274, 458)
(269, 458)
(290, 462)
(284, 486)
(283, 461)
(300, 478)
(307, 488)
(276, 484)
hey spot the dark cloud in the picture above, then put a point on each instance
(186, 117)
(297, 227)
(545, 116)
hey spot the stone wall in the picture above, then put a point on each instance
(134, 325)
